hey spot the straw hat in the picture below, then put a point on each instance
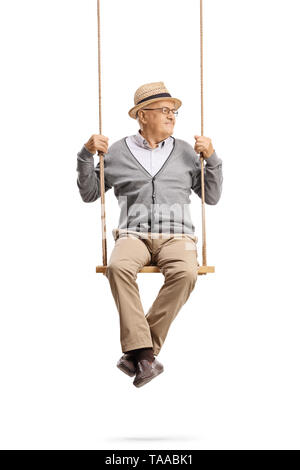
(149, 93)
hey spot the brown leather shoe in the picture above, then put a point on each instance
(146, 371)
(126, 365)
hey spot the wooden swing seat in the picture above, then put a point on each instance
(152, 268)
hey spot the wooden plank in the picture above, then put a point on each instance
(155, 269)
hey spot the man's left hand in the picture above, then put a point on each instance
(203, 145)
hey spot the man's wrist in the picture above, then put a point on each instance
(213, 160)
(85, 155)
(213, 151)
(88, 150)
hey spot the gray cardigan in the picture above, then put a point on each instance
(159, 203)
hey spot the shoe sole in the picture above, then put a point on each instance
(147, 379)
(125, 370)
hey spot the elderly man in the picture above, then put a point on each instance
(152, 174)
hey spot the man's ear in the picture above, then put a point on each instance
(141, 115)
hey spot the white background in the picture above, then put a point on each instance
(231, 358)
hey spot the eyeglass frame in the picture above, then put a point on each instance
(164, 107)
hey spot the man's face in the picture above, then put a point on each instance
(156, 121)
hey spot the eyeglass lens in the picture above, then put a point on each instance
(167, 110)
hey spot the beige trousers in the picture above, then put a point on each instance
(176, 256)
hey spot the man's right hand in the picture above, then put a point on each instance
(97, 142)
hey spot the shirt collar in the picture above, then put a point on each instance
(142, 142)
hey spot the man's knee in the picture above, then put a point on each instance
(185, 274)
(119, 268)
(191, 276)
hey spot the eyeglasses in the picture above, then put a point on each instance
(164, 110)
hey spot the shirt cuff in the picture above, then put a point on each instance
(213, 160)
(85, 154)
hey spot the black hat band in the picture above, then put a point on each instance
(160, 95)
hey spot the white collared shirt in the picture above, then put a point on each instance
(151, 159)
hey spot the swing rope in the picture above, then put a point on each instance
(101, 155)
(204, 262)
(202, 270)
